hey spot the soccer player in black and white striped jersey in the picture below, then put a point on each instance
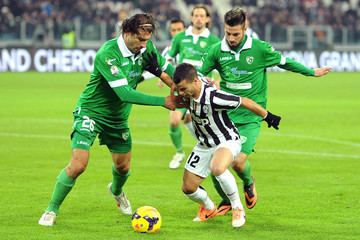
(218, 140)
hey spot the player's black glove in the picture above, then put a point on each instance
(153, 66)
(272, 120)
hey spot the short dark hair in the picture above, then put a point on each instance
(184, 71)
(139, 21)
(201, 6)
(235, 17)
(177, 20)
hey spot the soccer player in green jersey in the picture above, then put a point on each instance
(190, 46)
(104, 106)
(241, 62)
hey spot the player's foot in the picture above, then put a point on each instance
(176, 160)
(250, 195)
(205, 214)
(47, 219)
(122, 202)
(238, 217)
(223, 208)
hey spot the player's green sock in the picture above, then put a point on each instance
(246, 174)
(219, 190)
(176, 138)
(63, 185)
(118, 181)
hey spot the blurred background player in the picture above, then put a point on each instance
(104, 107)
(218, 140)
(190, 45)
(241, 62)
(176, 26)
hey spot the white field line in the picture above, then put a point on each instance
(168, 144)
(321, 139)
(153, 124)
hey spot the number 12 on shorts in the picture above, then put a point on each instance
(193, 159)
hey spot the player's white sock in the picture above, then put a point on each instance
(201, 196)
(189, 126)
(228, 185)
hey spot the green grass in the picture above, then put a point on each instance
(307, 173)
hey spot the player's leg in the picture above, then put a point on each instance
(222, 159)
(176, 137)
(82, 138)
(196, 169)
(119, 144)
(249, 133)
(191, 188)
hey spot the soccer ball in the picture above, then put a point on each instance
(146, 219)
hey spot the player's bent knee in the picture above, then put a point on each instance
(217, 170)
(188, 188)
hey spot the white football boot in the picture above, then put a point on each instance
(176, 160)
(47, 219)
(238, 217)
(122, 202)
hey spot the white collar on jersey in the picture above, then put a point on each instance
(225, 46)
(205, 33)
(124, 49)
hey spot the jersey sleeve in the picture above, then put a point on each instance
(110, 69)
(209, 62)
(272, 57)
(294, 66)
(221, 100)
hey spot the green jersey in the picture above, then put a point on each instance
(191, 47)
(111, 90)
(243, 72)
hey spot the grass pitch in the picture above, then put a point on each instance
(307, 173)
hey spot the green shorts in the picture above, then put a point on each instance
(248, 135)
(86, 129)
(183, 112)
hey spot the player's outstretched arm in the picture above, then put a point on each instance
(271, 119)
(319, 72)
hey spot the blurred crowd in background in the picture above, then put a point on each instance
(48, 20)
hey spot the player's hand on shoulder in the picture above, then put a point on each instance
(170, 103)
(319, 72)
(272, 120)
(213, 82)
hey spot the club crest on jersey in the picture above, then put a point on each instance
(114, 70)
(249, 59)
(206, 109)
(203, 44)
(125, 135)
(140, 61)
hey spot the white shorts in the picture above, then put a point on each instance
(199, 160)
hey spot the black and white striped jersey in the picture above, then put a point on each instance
(209, 116)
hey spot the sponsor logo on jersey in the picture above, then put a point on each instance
(249, 59)
(203, 44)
(124, 63)
(109, 61)
(114, 70)
(226, 58)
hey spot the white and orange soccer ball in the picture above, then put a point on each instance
(146, 219)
